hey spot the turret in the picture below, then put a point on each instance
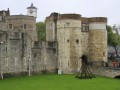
(98, 39)
(69, 42)
(32, 11)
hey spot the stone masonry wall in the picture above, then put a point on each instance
(98, 45)
(18, 55)
(43, 58)
(69, 45)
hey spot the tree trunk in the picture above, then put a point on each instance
(116, 51)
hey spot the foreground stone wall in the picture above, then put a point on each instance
(43, 58)
(20, 55)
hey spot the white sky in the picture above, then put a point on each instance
(87, 8)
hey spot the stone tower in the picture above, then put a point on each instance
(69, 42)
(51, 27)
(3, 14)
(73, 36)
(98, 39)
(32, 11)
(64, 32)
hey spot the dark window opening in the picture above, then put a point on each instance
(36, 43)
(68, 63)
(103, 54)
(6, 49)
(68, 41)
(85, 27)
(10, 26)
(25, 26)
(35, 55)
(68, 23)
(77, 41)
(54, 50)
(50, 44)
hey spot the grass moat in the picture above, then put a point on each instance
(58, 82)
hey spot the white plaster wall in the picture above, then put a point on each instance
(97, 26)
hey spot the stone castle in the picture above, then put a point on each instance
(68, 37)
(74, 36)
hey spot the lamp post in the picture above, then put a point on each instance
(1, 59)
(29, 71)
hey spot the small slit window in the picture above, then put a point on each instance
(10, 26)
(103, 54)
(77, 41)
(50, 44)
(24, 26)
(35, 55)
(68, 41)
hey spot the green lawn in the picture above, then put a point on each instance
(59, 82)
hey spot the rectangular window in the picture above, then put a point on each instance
(24, 26)
(77, 41)
(50, 44)
(85, 27)
(36, 43)
(10, 26)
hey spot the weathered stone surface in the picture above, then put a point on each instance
(66, 42)
(98, 45)
(69, 50)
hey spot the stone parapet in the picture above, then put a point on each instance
(19, 17)
(98, 19)
(70, 16)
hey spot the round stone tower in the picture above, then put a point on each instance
(69, 42)
(98, 39)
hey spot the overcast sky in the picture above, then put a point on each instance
(87, 8)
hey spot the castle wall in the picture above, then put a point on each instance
(68, 37)
(1, 26)
(20, 56)
(45, 59)
(15, 55)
